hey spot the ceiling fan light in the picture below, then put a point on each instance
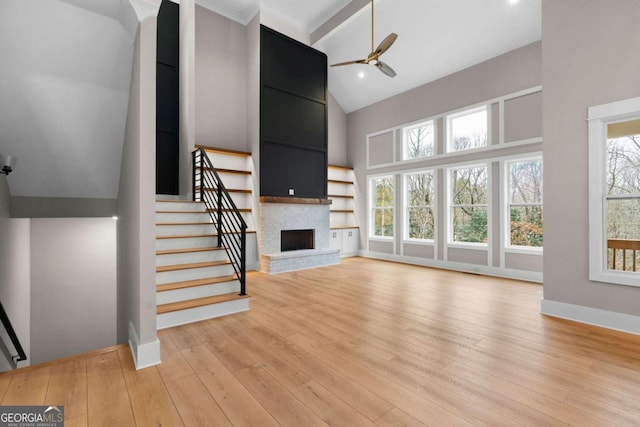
(373, 62)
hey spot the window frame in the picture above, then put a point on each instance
(450, 206)
(599, 117)
(372, 208)
(406, 206)
(506, 220)
(466, 112)
(405, 130)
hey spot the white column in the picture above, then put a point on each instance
(187, 92)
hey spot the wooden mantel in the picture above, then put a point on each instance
(295, 200)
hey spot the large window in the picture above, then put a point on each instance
(614, 192)
(623, 195)
(418, 141)
(419, 200)
(524, 203)
(382, 202)
(467, 130)
(468, 202)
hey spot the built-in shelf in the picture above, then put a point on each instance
(343, 224)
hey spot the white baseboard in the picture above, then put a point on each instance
(591, 316)
(528, 276)
(144, 355)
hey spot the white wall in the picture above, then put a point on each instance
(501, 76)
(73, 286)
(592, 61)
(15, 271)
(221, 81)
(62, 207)
(136, 203)
(336, 133)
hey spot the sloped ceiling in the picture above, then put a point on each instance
(64, 89)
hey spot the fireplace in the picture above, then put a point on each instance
(294, 240)
(294, 234)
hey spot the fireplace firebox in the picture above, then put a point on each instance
(294, 240)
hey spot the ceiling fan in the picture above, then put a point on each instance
(374, 56)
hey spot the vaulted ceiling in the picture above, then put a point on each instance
(436, 37)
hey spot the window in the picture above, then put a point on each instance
(524, 203)
(418, 141)
(419, 200)
(623, 195)
(614, 192)
(382, 201)
(467, 130)
(468, 194)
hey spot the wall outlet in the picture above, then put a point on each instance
(291, 192)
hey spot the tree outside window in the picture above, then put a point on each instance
(382, 206)
(525, 203)
(420, 199)
(418, 141)
(467, 130)
(623, 194)
(469, 189)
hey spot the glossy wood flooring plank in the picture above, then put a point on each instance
(236, 402)
(28, 387)
(194, 403)
(329, 407)
(68, 387)
(173, 364)
(281, 404)
(398, 418)
(107, 396)
(150, 401)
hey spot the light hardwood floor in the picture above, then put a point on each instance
(360, 344)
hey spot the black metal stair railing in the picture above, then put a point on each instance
(6, 323)
(231, 228)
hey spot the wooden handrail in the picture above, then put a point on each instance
(624, 245)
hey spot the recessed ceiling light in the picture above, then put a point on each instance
(361, 74)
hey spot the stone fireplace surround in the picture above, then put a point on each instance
(294, 213)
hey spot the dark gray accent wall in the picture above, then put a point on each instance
(594, 63)
(293, 117)
(60, 207)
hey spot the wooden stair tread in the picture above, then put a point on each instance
(340, 181)
(230, 190)
(192, 265)
(224, 151)
(230, 171)
(347, 168)
(194, 283)
(342, 196)
(229, 210)
(188, 250)
(190, 236)
(182, 212)
(199, 302)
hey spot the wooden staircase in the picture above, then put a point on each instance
(194, 277)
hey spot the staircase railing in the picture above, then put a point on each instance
(230, 226)
(6, 323)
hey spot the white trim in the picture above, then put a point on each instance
(614, 110)
(529, 276)
(524, 250)
(591, 316)
(144, 355)
(501, 142)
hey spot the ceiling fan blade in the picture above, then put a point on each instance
(385, 69)
(358, 61)
(386, 44)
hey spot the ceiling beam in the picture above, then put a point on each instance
(347, 13)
